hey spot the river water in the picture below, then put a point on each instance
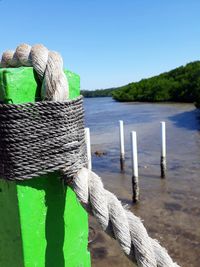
(170, 207)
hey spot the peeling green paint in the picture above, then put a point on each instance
(42, 224)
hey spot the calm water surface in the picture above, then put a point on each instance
(170, 207)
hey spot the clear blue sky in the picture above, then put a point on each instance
(108, 42)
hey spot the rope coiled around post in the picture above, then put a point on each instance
(114, 219)
(38, 138)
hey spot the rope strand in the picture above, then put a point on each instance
(48, 66)
(125, 226)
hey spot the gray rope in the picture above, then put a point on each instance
(116, 220)
(38, 138)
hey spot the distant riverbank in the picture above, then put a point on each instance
(178, 85)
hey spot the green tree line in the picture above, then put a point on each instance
(97, 93)
(180, 85)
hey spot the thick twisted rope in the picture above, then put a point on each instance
(119, 222)
(47, 64)
(114, 219)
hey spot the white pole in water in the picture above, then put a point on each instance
(135, 177)
(163, 150)
(88, 144)
(122, 150)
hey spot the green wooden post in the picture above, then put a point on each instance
(41, 222)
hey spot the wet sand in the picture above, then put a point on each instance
(168, 207)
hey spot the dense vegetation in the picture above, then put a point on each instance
(97, 93)
(181, 84)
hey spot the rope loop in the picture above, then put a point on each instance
(48, 66)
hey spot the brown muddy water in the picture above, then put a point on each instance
(169, 208)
